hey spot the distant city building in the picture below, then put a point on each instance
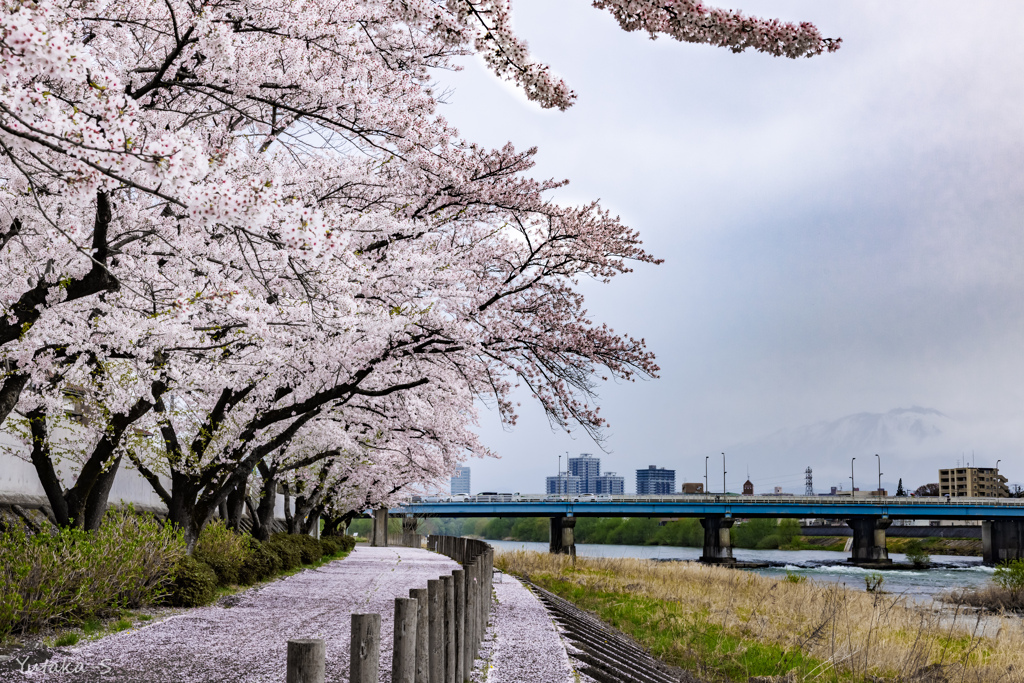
(610, 484)
(777, 491)
(588, 469)
(564, 484)
(973, 482)
(693, 487)
(460, 480)
(655, 481)
(748, 488)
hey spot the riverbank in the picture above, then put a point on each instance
(730, 625)
(960, 547)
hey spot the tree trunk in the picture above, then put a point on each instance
(253, 508)
(236, 504)
(96, 503)
(181, 511)
(289, 520)
(268, 502)
(52, 485)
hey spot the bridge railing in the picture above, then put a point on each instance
(897, 501)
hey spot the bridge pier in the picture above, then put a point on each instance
(717, 543)
(869, 540)
(1001, 540)
(562, 536)
(379, 535)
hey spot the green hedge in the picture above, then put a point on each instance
(67, 576)
(63, 577)
(195, 583)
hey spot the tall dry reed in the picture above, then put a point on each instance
(852, 634)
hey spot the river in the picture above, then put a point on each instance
(821, 565)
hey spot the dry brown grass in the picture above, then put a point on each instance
(992, 598)
(853, 635)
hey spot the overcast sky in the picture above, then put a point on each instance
(841, 234)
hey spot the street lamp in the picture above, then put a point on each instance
(558, 475)
(723, 475)
(879, 473)
(706, 458)
(853, 486)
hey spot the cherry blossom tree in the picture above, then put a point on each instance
(245, 230)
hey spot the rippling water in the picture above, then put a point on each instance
(821, 565)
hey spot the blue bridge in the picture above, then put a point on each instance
(1002, 518)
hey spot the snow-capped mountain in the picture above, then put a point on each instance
(911, 441)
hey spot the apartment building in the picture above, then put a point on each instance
(973, 482)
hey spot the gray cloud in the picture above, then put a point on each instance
(841, 234)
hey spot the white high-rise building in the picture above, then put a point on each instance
(460, 480)
(588, 469)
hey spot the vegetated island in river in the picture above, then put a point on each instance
(761, 534)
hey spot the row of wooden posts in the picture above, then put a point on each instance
(437, 632)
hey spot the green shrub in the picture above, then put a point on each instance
(223, 550)
(916, 554)
(795, 578)
(309, 548)
(344, 544)
(261, 563)
(770, 542)
(873, 582)
(68, 575)
(1010, 576)
(330, 545)
(286, 551)
(195, 583)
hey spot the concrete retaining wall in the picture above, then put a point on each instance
(900, 531)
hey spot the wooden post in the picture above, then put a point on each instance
(435, 595)
(403, 657)
(422, 635)
(449, 629)
(459, 582)
(306, 661)
(471, 602)
(365, 650)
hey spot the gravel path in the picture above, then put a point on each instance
(246, 643)
(523, 645)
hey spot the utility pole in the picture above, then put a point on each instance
(853, 487)
(723, 475)
(706, 458)
(558, 475)
(879, 473)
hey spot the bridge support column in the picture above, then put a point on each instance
(1001, 540)
(717, 544)
(379, 535)
(869, 540)
(562, 536)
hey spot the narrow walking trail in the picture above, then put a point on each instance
(247, 643)
(523, 644)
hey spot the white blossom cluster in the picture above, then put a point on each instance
(239, 236)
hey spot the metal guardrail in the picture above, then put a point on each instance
(729, 498)
(712, 505)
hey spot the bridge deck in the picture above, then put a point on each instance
(721, 506)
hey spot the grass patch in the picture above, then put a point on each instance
(66, 639)
(730, 625)
(121, 625)
(91, 626)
